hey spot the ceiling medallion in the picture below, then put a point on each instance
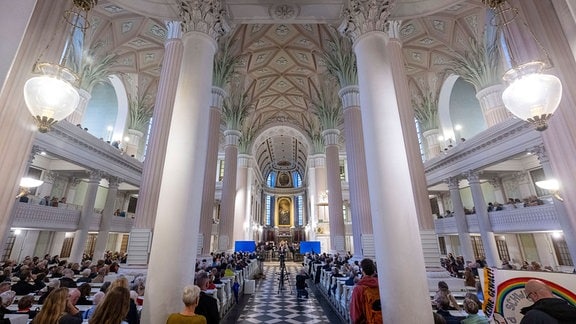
(284, 11)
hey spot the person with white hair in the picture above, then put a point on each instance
(190, 298)
(95, 301)
(52, 285)
(6, 299)
(85, 276)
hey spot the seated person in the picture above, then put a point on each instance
(96, 300)
(53, 284)
(301, 285)
(6, 299)
(85, 276)
(23, 286)
(471, 307)
(443, 305)
(24, 305)
(84, 290)
(444, 292)
(67, 279)
(335, 274)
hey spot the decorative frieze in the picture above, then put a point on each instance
(205, 16)
(362, 17)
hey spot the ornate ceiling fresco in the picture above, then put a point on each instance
(281, 62)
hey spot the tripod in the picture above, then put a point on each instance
(284, 275)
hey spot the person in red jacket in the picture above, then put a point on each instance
(357, 302)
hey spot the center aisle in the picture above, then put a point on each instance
(270, 304)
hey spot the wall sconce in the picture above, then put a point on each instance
(552, 185)
(53, 94)
(531, 95)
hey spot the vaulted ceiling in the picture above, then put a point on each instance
(281, 62)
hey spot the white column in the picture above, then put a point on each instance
(241, 217)
(140, 240)
(493, 108)
(432, 143)
(391, 193)
(337, 230)
(106, 220)
(77, 115)
(315, 162)
(362, 231)
(86, 216)
(180, 198)
(207, 208)
(46, 188)
(227, 216)
(461, 224)
(244, 201)
(487, 235)
(415, 164)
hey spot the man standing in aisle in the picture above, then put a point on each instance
(365, 305)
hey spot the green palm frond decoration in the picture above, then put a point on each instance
(312, 128)
(480, 66)
(93, 67)
(139, 114)
(224, 62)
(235, 108)
(340, 60)
(328, 105)
(426, 111)
(248, 134)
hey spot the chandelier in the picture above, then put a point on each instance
(531, 94)
(52, 94)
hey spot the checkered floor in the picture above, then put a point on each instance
(271, 304)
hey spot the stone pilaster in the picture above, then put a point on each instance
(362, 231)
(227, 215)
(461, 224)
(86, 216)
(383, 124)
(487, 235)
(207, 209)
(336, 218)
(184, 166)
(106, 219)
(147, 207)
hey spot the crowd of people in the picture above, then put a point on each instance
(60, 286)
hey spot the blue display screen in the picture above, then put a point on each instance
(309, 247)
(245, 246)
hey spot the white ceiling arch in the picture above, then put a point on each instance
(281, 148)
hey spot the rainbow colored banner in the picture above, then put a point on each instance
(504, 295)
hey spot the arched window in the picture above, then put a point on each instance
(296, 179)
(271, 180)
(299, 208)
(269, 202)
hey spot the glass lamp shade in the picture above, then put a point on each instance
(51, 96)
(30, 183)
(531, 95)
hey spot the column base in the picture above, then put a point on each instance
(139, 245)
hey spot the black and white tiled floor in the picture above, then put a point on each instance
(270, 304)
